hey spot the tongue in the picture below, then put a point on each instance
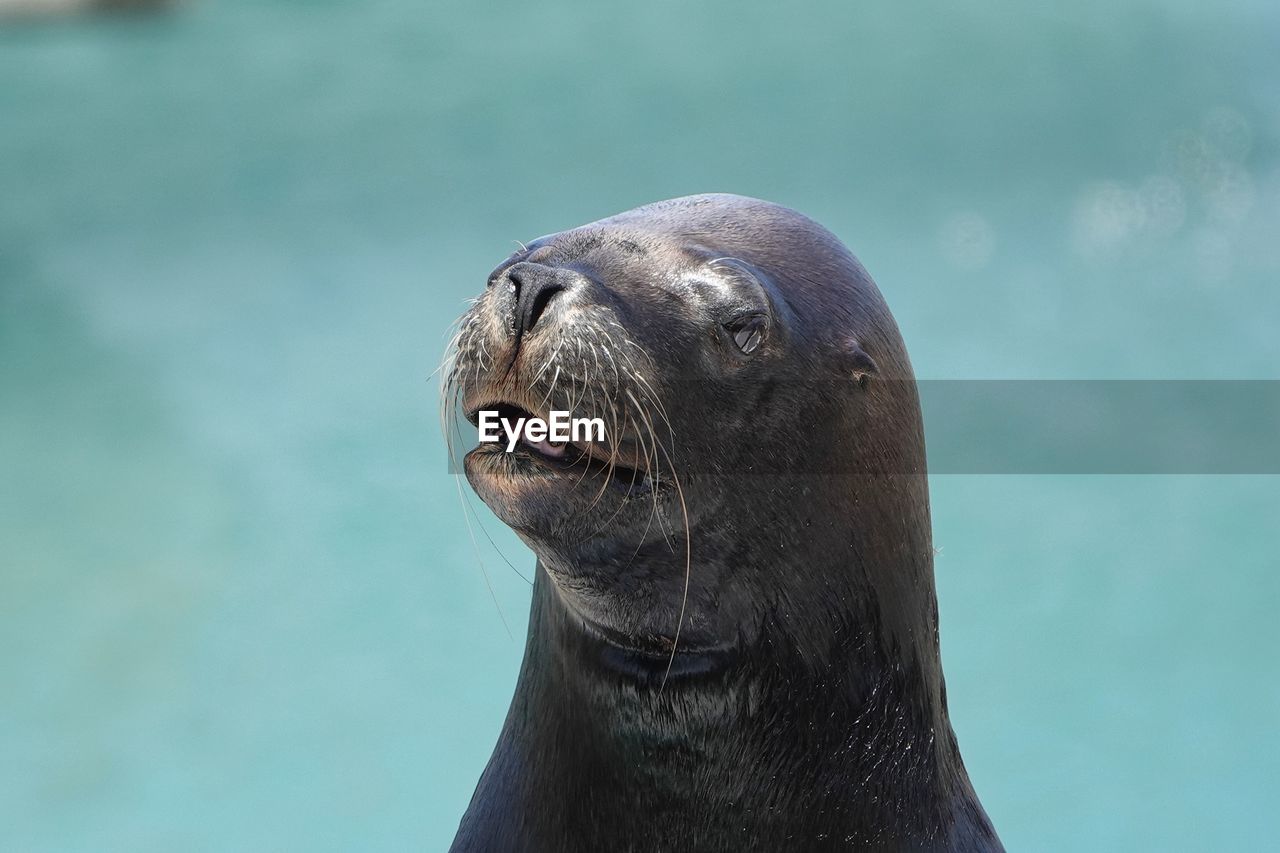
(547, 448)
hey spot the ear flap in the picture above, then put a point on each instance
(859, 363)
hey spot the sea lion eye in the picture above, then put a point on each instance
(747, 333)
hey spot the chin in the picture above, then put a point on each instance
(555, 498)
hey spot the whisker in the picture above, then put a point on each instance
(483, 572)
(688, 570)
(485, 531)
(651, 465)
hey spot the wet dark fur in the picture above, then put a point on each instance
(803, 707)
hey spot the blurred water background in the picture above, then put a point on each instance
(239, 609)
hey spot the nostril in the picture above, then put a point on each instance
(532, 287)
(538, 302)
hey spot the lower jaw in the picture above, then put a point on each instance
(586, 473)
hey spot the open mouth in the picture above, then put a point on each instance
(587, 457)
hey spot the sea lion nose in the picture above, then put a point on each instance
(535, 285)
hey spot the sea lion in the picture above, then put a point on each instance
(733, 642)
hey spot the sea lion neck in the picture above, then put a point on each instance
(858, 736)
(840, 570)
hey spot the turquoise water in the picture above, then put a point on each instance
(239, 609)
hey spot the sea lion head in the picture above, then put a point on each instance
(762, 450)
